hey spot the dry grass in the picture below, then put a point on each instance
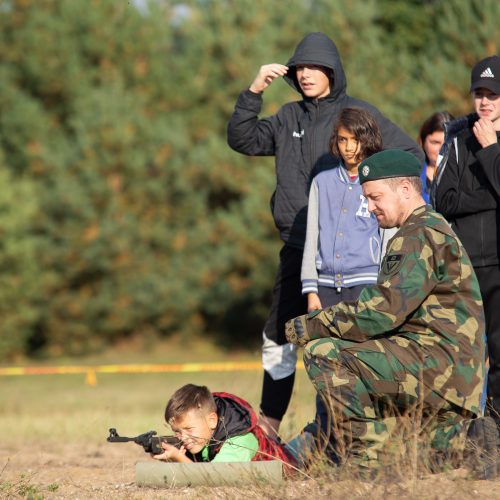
(53, 431)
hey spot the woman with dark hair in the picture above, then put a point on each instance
(431, 138)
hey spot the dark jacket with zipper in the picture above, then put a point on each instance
(236, 417)
(468, 195)
(298, 135)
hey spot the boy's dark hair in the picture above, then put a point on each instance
(189, 397)
(435, 123)
(363, 126)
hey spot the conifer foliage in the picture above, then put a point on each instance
(122, 210)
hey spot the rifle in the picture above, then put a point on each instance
(149, 441)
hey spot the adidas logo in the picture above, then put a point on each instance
(297, 134)
(487, 73)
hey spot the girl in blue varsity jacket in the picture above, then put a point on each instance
(343, 243)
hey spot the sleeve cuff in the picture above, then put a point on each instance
(309, 286)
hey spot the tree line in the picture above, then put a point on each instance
(123, 212)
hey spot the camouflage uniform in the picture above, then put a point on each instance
(415, 338)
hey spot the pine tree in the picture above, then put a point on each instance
(124, 212)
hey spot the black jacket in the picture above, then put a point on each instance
(236, 417)
(468, 195)
(298, 135)
(233, 419)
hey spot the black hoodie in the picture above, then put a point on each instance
(468, 195)
(233, 419)
(236, 417)
(299, 134)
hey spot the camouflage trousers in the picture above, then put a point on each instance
(377, 390)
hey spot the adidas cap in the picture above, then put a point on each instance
(486, 74)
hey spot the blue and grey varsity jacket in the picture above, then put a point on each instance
(343, 244)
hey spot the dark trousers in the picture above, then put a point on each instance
(287, 303)
(489, 282)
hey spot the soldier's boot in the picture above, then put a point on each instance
(304, 447)
(481, 452)
(494, 413)
(312, 446)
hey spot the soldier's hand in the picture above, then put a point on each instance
(485, 132)
(310, 326)
(313, 302)
(266, 75)
(296, 331)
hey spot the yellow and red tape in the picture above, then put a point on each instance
(91, 372)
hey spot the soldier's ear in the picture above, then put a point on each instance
(406, 188)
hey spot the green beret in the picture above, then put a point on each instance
(389, 163)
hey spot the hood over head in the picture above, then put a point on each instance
(319, 50)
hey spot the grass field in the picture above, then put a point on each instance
(47, 420)
(53, 431)
(53, 407)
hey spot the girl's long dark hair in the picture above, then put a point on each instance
(365, 129)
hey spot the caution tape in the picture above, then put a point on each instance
(91, 372)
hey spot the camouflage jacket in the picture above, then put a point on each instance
(426, 298)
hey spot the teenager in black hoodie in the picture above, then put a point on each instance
(468, 195)
(298, 136)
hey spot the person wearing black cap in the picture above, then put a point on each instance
(468, 195)
(298, 136)
(412, 344)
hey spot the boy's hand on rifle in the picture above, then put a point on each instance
(172, 453)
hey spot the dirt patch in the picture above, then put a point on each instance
(108, 471)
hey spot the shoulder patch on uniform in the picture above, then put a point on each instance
(392, 263)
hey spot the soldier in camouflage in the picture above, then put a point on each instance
(415, 340)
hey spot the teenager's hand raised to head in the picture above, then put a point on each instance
(485, 132)
(266, 75)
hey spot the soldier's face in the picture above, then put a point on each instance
(385, 203)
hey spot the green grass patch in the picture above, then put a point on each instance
(54, 408)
